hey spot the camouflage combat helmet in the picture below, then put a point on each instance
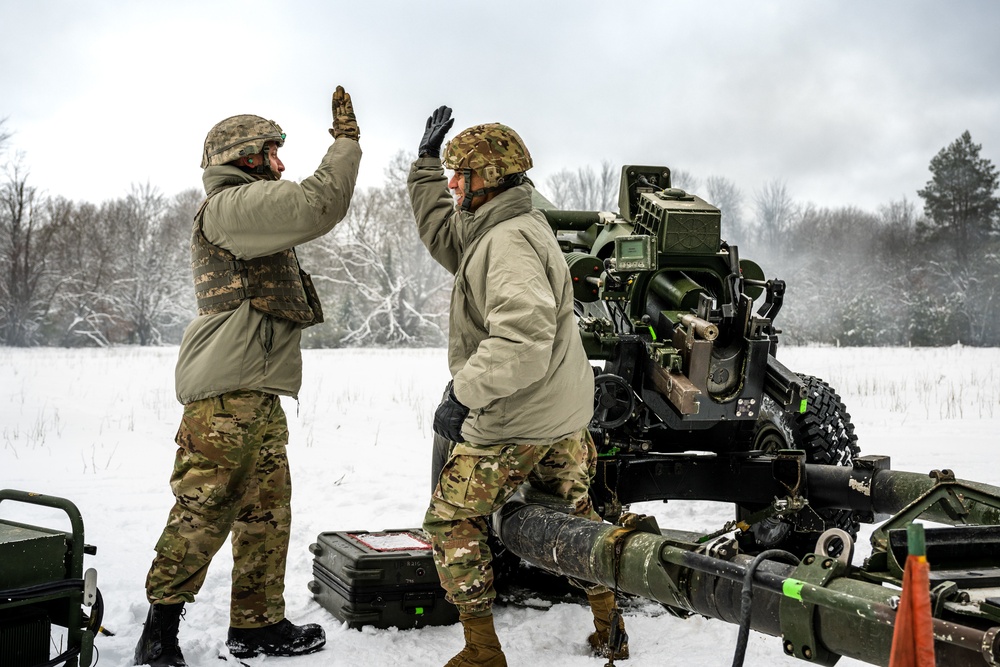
(238, 136)
(491, 150)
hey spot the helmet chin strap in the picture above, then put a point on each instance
(481, 192)
(264, 168)
(468, 196)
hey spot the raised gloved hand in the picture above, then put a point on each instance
(345, 124)
(437, 127)
(449, 416)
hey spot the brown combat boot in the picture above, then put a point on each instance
(482, 646)
(606, 614)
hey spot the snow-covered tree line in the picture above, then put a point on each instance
(84, 274)
(80, 274)
(77, 273)
(904, 274)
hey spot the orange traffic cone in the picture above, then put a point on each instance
(913, 636)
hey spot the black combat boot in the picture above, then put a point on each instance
(282, 638)
(158, 643)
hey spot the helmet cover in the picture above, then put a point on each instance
(239, 136)
(492, 150)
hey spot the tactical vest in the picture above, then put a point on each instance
(274, 284)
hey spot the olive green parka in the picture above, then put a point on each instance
(514, 347)
(245, 348)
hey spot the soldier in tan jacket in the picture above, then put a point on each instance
(236, 358)
(523, 390)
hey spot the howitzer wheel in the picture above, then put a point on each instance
(826, 434)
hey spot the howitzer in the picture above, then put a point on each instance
(688, 385)
(692, 403)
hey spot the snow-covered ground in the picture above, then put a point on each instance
(97, 427)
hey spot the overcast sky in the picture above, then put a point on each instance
(845, 102)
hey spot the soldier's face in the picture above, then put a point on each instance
(276, 164)
(458, 188)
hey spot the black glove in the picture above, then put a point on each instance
(438, 124)
(449, 416)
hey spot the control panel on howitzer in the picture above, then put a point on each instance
(681, 331)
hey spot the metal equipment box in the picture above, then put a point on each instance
(30, 555)
(683, 223)
(383, 579)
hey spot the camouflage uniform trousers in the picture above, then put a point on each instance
(230, 475)
(477, 480)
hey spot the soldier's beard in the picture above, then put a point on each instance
(262, 172)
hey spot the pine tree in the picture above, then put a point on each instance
(959, 200)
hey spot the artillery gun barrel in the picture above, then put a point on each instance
(846, 616)
(884, 491)
(577, 221)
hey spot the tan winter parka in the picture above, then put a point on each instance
(514, 348)
(245, 348)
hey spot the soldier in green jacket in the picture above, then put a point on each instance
(522, 392)
(236, 358)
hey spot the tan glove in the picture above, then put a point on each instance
(345, 124)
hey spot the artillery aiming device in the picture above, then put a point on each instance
(692, 403)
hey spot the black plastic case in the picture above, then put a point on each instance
(383, 579)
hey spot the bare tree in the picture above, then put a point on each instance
(387, 290)
(900, 214)
(775, 211)
(4, 135)
(26, 282)
(724, 194)
(896, 241)
(129, 279)
(147, 292)
(179, 307)
(685, 180)
(584, 189)
(964, 294)
(88, 255)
